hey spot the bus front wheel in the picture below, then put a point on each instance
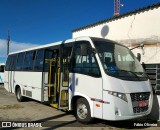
(19, 95)
(83, 113)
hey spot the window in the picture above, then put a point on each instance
(66, 53)
(13, 61)
(49, 54)
(38, 66)
(85, 64)
(8, 63)
(2, 68)
(118, 61)
(19, 63)
(29, 60)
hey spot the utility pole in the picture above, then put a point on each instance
(8, 41)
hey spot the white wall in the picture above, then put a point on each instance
(143, 27)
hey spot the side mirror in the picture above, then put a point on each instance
(139, 56)
(83, 49)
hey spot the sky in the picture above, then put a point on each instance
(36, 22)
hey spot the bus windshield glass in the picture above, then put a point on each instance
(118, 61)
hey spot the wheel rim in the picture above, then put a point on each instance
(18, 94)
(82, 111)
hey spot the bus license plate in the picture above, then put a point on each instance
(142, 104)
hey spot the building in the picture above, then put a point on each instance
(140, 26)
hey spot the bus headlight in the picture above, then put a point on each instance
(119, 95)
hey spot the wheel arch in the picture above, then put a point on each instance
(75, 97)
(16, 87)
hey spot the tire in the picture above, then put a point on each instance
(82, 111)
(19, 96)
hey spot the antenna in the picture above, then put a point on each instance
(116, 7)
(8, 40)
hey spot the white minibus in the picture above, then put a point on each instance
(97, 78)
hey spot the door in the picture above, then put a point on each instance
(10, 73)
(51, 76)
(87, 79)
(64, 80)
(7, 74)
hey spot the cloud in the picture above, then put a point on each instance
(14, 46)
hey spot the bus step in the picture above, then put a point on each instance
(52, 95)
(55, 105)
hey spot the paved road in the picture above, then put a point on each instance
(32, 111)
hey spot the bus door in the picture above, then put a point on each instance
(50, 77)
(10, 73)
(65, 54)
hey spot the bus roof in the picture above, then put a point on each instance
(53, 44)
(44, 46)
(61, 42)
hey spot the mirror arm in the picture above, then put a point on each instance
(140, 45)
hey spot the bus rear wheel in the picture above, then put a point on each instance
(19, 96)
(83, 113)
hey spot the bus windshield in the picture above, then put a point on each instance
(118, 61)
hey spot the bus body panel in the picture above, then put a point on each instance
(112, 104)
(8, 80)
(11, 81)
(30, 83)
(84, 84)
(6, 76)
(92, 88)
(124, 86)
(125, 110)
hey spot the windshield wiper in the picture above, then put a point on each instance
(113, 70)
(131, 73)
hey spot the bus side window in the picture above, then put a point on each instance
(38, 65)
(48, 56)
(29, 60)
(8, 63)
(85, 64)
(19, 63)
(12, 63)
